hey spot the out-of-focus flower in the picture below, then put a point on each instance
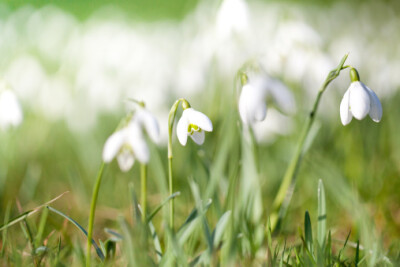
(252, 105)
(252, 100)
(10, 109)
(232, 17)
(358, 101)
(128, 143)
(193, 123)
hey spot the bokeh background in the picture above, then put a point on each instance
(74, 64)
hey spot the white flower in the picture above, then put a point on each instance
(193, 123)
(10, 110)
(129, 143)
(232, 17)
(358, 101)
(252, 100)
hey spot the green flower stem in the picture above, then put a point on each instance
(285, 192)
(171, 119)
(143, 195)
(92, 212)
(171, 190)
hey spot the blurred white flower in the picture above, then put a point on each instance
(10, 109)
(358, 101)
(252, 100)
(128, 143)
(232, 17)
(193, 123)
(252, 105)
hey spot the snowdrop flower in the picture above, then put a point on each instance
(128, 143)
(358, 101)
(232, 17)
(252, 100)
(10, 109)
(193, 123)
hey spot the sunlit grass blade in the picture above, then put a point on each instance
(4, 236)
(220, 228)
(321, 214)
(156, 241)
(42, 225)
(98, 250)
(174, 195)
(26, 214)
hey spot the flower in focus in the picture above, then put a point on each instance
(10, 109)
(252, 100)
(193, 123)
(358, 101)
(128, 143)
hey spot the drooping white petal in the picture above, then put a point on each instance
(198, 137)
(197, 118)
(138, 144)
(282, 96)
(345, 114)
(125, 160)
(359, 100)
(113, 145)
(182, 130)
(252, 105)
(149, 122)
(375, 111)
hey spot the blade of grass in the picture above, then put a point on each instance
(220, 228)
(42, 225)
(26, 214)
(98, 250)
(4, 236)
(321, 231)
(174, 195)
(308, 232)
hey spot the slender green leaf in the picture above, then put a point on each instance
(174, 195)
(308, 232)
(220, 227)
(98, 250)
(26, 214)
(321, 232)
(357, 254)
(4, 236)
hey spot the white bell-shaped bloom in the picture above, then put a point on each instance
(128, 143)
(252, 100)
(10, 109)
(252, 105)
(193, 123)
(357, 102)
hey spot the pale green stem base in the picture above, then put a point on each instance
(283, 197)
(143, 195)
(171, 191)
(91, 216)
